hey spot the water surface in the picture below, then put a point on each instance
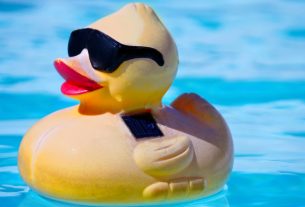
(246, 57)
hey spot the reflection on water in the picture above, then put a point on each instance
(246, 57)
(33, 199)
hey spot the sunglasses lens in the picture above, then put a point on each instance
(77, 42)
(103, 52)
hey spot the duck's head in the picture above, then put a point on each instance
(123, 62)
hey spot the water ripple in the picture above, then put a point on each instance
(7, 190)
(8, 169)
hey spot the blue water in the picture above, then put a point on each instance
(246, 57)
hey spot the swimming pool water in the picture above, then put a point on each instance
(246, 57)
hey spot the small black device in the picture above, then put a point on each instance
(142, 125)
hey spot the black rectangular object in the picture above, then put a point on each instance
(142, 125)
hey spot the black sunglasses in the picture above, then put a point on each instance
(105, 53)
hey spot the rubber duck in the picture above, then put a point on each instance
(121, 145)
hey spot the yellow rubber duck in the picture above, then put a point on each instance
(121, 144)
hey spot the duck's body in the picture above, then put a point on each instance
(90, 154)
(97, 162)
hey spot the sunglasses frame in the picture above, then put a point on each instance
(105, 53)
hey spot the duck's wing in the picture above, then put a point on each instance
(164, 156)
(198, 108)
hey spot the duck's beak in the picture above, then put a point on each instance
(76, 83)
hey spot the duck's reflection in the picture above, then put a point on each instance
(217, 200)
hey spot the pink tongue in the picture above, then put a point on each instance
(68, 88)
